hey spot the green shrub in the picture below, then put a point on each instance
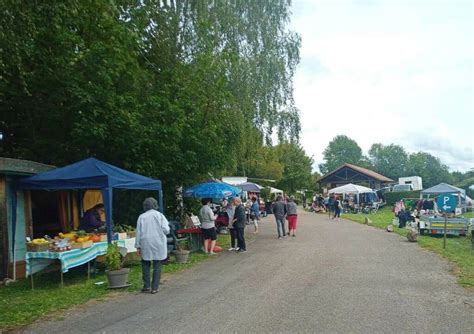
(391, 198)
(112, 258)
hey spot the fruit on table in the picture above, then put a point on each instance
(69, 235)
(94, 238)
(39, 241)
(82, 239)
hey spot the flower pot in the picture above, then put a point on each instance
(181, 256)
(118, 278)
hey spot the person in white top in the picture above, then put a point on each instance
(150, 242)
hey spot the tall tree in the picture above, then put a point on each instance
(390, 160)
(171, 89)
(297, 173)
(430, 168)
(340, 150)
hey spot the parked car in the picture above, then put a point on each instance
(402, 187)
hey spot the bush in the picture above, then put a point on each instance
(391, 198)
(112, 258)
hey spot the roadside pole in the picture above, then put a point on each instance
(445, 225)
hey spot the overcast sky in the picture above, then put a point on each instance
(387, 71)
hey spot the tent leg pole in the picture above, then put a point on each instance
(62, 279)
(32, 282)
(89, 270)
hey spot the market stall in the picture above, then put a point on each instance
(213, 190)
(444, 188)
(85, 175)
(358, 194)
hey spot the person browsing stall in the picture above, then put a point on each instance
(91, 220)
(208, 226)
(150, 242)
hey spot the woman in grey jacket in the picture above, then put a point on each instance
(292, 216)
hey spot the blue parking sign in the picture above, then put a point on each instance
(446, 202)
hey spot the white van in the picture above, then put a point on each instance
(402, 187)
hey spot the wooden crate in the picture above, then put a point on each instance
(82, 245)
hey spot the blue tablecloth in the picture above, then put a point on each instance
(68, 259)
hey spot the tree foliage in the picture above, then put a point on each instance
(170, 89)
(430, 168)
(390, 160)
(340, 150)
(297, 168)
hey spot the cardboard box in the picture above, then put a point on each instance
(120, 236)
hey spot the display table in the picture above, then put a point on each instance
(195, 237)
(69, 259)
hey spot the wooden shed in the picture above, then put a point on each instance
(349, 173)
(10, 171)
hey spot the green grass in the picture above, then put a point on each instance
(21, 306)
(458, 249)
(469, 214)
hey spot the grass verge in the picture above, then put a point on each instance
(458, 249)
(21, 306)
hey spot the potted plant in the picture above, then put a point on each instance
(116, 274)
(182, 251)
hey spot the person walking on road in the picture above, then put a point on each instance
(279, 211)
(150, 242)
(292, 216)
(330, 206)
(208, 226)
(239, 224)
(255, 213)
(337, 208)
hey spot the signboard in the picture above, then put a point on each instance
(446, 203)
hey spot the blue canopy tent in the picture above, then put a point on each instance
(90, 174)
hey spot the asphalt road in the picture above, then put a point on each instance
(333, 277)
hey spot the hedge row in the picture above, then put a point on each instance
(391, 198)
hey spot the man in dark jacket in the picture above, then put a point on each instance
(279, 211)
(239, 224)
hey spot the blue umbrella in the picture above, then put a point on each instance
(212, 190)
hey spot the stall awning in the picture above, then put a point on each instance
(350, 189)
(443, 188)
(89, 174)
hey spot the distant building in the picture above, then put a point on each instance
(349, 173)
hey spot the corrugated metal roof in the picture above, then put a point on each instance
(22, 167)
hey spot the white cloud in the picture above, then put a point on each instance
(387, 72)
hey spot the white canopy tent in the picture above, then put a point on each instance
(351, 189)
(276, 191)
